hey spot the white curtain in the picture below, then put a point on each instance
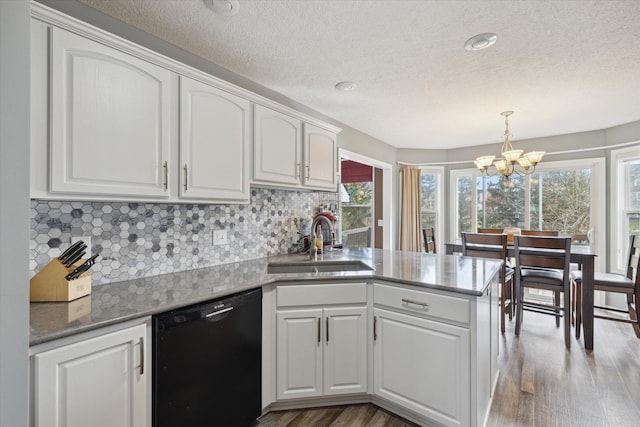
(410, 228)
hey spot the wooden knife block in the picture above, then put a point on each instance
(50, 285)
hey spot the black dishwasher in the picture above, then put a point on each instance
(207, 363)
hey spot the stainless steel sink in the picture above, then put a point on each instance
(317, 267)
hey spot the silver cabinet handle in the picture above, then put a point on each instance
(319, 337)
(421, 304)
(186, 173)
(375, 332)
(308, 172)
(141, 355)
(327, 327)
(166, 174)
(215, 313)
(297, 170)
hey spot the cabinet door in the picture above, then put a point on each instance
(299, 353)
(345, 351)
(320, 155)
(110, 120)
(100, 382)
(214, 137)
(422, 365)
(277, 156)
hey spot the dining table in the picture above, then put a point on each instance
(584, 256)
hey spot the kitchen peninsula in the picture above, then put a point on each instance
(417, 335)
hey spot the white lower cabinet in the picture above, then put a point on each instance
(98, 382)
(422, 365)
(321, 350)
(299, 353)
(345, 350)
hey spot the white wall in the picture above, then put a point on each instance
(14, 211)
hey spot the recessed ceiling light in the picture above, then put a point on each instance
(345, 86)
(481, 41)
(223, 7)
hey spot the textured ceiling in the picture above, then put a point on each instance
(563, 66)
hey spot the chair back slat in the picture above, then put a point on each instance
(542, 260)
(485, 252)
(548, 233)
(490, 230)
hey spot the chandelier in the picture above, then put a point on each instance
(512, 161)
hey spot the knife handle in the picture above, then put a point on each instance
(82, 268)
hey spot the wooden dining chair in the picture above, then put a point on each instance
(493, 246)
(549, 233)
(490, 230)
(543, 263)
(429, 240)
(628, 284)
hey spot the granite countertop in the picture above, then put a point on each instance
(117, 302)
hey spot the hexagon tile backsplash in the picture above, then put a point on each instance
(147, 239)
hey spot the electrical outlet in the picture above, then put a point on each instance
(220, 237)
(87, 241)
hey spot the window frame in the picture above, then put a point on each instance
(618, 187)
(454, 175)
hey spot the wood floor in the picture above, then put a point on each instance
(540, 384)
(364, 415)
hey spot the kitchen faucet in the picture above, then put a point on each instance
(313, 251)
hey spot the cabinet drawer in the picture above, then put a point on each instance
(430, 304)
(321, 294)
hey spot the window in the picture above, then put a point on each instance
(431, 201)
(356, 212)
(625, 206)
(463, 193)
(566, 196)
(357, 205)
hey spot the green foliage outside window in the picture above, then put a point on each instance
(428, 200)
(465, 205)
(559, 200)
(357, 212)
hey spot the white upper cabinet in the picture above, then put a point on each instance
(291, 153)
(277, 156)
(214, 143)
(110, 120)
(320, 151)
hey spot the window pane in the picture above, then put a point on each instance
(560, 200)
(428, 219)
(428, 190)
(357, 212)
(633, 223)
(428, 199)
(633, 185)
(465, 204)
(503, 205)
